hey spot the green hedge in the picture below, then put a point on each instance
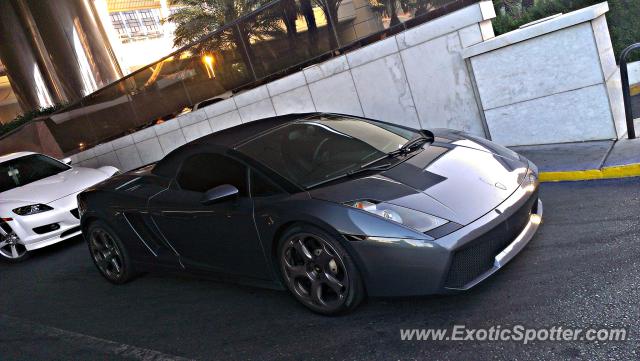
(623, 17)
(27, 117)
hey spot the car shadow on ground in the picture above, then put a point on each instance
(55, 249)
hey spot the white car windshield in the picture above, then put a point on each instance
(24, 170)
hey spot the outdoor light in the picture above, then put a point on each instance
(419, 221)
(31, 209)
(208, 61)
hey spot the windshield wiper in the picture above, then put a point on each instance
(367, 168)
(350, 173)
(406, 148)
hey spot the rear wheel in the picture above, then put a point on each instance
(318, 271)
(109, 254)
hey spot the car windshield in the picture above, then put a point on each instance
(30, 168)
(311, 151)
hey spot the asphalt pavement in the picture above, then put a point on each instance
(582, 270)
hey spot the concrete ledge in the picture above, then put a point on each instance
(327, 69)
(372, 52)
(447, 24)
(519, 35)
(585, 160)
(251, 96)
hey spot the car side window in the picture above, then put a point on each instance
(261, 186)
(201, 172)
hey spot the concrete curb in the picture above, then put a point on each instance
(621, 171)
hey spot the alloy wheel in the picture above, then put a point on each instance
(314, 271)
(10, 246)
(106, 254)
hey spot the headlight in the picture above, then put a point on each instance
(32, 209)
(530, 181)
(419, 221)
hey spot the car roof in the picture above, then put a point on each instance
(11, 156)
(243, 132)
(227, 139)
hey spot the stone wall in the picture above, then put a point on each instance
(552, 82)
(416, 78)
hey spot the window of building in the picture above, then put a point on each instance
(149, 20)
(118, 24)
(132, 22)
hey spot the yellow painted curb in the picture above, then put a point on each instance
(634, 89)
(621, 171)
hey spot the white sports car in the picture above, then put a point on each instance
(38, 205)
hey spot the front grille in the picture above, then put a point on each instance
(75, 213)
(478, 256)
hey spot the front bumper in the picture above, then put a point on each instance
(69, 224)
(411, 267)
(506, 254)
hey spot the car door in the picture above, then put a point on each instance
(219, 237)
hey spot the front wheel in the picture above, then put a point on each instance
(11, 250)
(318, 271)
(109, 254)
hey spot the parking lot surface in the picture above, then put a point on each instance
(582, 270)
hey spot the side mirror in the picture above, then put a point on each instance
(66, 161)
(219, 193)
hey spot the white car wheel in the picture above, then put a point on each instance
(10, 247)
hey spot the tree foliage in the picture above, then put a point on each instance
(195, 19)
(28, 116)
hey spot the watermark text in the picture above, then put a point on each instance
(517, 333)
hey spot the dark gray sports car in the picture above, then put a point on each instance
(332, 207)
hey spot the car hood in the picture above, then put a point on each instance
(52, 188)
(457, 178)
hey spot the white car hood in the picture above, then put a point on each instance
(55, 187)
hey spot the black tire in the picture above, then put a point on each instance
(109, 253)
(318, 271)
(23, 255)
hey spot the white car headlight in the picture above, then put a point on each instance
(419, 221)
(31, 209)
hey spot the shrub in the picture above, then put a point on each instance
(27, 117)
